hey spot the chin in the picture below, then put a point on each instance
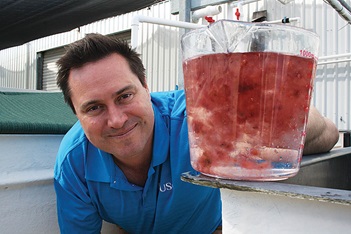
(124, 149)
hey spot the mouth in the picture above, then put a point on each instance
(123, 132)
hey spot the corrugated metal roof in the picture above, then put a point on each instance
(34, 113)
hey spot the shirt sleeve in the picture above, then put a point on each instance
(76, 212)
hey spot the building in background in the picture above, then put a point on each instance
(32, 65)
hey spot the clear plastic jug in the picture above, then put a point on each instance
(248, 89)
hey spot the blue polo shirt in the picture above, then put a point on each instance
(90, 187)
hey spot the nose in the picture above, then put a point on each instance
(116, 117)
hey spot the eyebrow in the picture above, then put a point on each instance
(126, 88)
(119, 92)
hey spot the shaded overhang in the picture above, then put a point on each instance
(22, 21)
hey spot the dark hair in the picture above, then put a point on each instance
(91, 48)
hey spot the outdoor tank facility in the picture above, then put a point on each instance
(36, 40)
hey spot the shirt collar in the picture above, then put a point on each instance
(98, 164)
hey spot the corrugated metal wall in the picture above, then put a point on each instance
(16, 67)
(159, 47)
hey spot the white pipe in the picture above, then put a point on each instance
(335, 61)
(344, 13)
(243, 2)
(334, 56)
(207, 11)
(137, 19)
(297, 19)
(238, 5)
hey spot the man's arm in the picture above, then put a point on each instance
(75, 215)
(321, 133)
(75, 210)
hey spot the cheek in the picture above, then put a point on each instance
(149, 115)
(91, 126)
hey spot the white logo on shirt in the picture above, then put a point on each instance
(166, 187)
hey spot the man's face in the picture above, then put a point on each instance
(113, 107)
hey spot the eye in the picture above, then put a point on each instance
(125, 97)
(93, 109)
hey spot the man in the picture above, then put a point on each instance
(122, 161)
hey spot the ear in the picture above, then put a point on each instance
(146, 86)
(147, 90)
